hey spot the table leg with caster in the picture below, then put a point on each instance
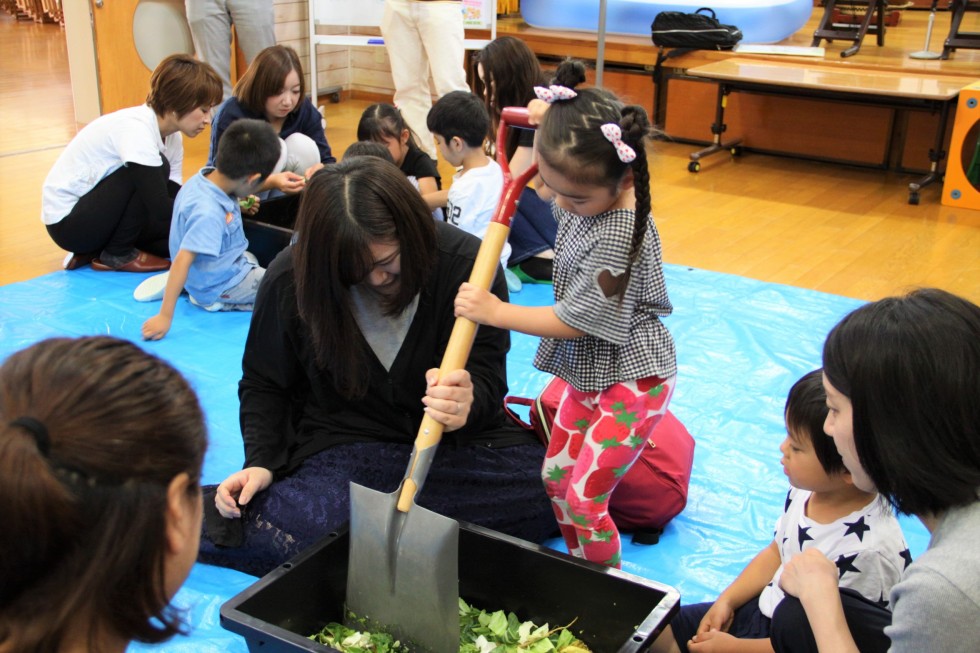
(717, 128)
(936, 155)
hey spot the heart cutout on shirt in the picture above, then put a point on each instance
(608, 282)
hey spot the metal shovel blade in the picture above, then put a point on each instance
(403, 574)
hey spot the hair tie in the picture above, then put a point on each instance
(38, 431)
(614, 135)
(554, 93)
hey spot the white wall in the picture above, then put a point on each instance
(81, 60)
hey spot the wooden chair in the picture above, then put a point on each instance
(956, 38)
(854, 33)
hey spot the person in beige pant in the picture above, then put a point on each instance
(423, 37)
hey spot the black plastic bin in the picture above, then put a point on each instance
(616, 612)
(270, 231)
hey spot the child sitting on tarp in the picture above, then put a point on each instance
(825, 511)
(207, 239)
(459, 122)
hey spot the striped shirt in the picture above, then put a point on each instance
(625, 340)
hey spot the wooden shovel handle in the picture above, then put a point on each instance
(484, 268)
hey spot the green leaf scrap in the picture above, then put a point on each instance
(479, 632)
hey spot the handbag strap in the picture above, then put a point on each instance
(510, 400)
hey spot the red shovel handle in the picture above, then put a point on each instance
(510, 117)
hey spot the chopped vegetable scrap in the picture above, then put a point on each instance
(479, 632)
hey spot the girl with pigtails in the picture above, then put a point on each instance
(603, 335)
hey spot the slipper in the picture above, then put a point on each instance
(513, 282)
(152, 289)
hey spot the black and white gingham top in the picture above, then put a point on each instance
(625, 340)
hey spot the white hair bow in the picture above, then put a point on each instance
(554, 93)
(614, 135)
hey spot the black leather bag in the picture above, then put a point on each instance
(698, 31)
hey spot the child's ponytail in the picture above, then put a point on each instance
(636, 127)
(570, 73)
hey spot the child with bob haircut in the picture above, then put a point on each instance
(101, 447)
(459, 123)
(825, 512)
(207, 239)
(603, 335)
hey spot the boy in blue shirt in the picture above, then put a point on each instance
(207, 239)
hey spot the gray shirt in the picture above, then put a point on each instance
(936, 605)
(385, 334)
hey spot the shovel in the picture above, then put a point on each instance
(403, 574)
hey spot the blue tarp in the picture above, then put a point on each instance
(741, 344)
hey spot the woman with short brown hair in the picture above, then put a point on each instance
(108, 198)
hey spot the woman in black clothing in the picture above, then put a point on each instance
(349, 327)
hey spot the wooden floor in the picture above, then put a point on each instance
(832, 228)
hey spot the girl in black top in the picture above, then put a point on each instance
(383, 123)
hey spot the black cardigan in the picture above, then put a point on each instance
(290, 409)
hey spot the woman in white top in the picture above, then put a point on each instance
(108, 198)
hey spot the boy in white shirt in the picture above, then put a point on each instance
(460, 123)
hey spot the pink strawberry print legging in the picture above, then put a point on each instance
(596, 438)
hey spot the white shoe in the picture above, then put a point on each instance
(513, 282)
(152, 289)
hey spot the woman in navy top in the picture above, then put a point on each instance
(274, 89)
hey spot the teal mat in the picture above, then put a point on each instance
(741, 344)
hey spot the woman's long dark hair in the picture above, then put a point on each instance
(346, 207)
(570, 139)
(510, 73)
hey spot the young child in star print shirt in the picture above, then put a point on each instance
(824, 510)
